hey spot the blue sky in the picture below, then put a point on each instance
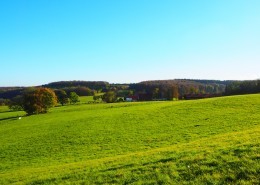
(128, 40)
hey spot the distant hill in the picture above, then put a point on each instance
(183, 86)
(90, 84)
(11, 92)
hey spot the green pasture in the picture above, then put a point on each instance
(88, 99)
(209, 141)
(85, 99)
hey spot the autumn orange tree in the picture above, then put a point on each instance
(39, 100)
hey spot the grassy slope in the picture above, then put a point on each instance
(204, 141)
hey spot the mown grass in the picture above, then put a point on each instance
(210, 141)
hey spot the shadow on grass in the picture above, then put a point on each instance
(5, 111)
(10, 118)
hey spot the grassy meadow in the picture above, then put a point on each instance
(209, 141)
(85, 99)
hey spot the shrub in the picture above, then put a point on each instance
(109, 97)
(74, 98)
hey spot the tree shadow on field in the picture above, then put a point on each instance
(5, 111)
(10, 118)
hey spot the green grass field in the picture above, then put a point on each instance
(209, 141)
(88, 99)
(85, 99)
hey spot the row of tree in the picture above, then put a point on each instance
(147, 90)
(243, 87)
(183, 87)
(95, 85)
(63, 98)
(39, 100)
(89, 88)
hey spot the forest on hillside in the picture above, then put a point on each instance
(146, 90)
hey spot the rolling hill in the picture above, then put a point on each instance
(209, 141)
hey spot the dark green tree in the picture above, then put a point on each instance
(62, 96)
(97, 97)
(17, 103)
(109, 97)
(4, 102)
(74, 98)
(155, 93)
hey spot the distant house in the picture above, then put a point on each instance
(131, 98)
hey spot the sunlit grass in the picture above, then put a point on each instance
(210, 141)
(86, 99)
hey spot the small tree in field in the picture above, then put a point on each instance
(39, 100)
(74, 98)
(97, 98)
(62, 97)
(109, 97)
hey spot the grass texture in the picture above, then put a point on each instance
(209, 141)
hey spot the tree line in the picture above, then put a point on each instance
(243, 87)
(168, 89)
(143, 91)
(39, 100)
(94, 85)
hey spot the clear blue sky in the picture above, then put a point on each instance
(42, 41)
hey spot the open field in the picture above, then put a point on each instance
(209, 141)
(86, 99)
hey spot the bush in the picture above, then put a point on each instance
(120, 99)
(109, 97)
(74, 98)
